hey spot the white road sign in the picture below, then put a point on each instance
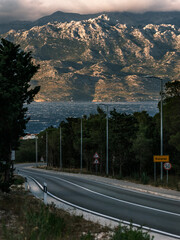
(167, 166)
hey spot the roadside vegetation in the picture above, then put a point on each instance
(22, 216)
(133, 140)
(16, 92)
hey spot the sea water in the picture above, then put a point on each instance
(46, 114)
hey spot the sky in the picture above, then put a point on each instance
(11, 10)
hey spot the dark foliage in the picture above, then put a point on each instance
(16, 71)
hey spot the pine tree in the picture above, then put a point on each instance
(16, 71)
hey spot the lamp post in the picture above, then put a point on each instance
(36, 139)
(107, 139)
(60, 132)
(47, 147)
(161, 119)
(81, 147)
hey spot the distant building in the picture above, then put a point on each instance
(29, 136)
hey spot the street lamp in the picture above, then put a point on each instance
(81, 147)
(161, 119)
(47, 147)
(60, 132)
(107, 139)
(36, 139)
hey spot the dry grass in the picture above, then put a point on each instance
(21, 214)
(23, 217)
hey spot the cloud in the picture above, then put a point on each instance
(33, 9)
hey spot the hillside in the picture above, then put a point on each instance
(101, 58)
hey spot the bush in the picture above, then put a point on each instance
(43, 224)
(144, 178)
(87, 237)
(125, 233)
(18, 180)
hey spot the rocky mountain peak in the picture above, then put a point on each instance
(100, 59)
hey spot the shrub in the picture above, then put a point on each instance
(125, 233)
(87, 237)
(144, 178)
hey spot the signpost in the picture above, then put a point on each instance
(161, 159)
(96, 161)
(167, 167)
(96, 155)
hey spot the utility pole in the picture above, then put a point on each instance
(81, 146)
(36, 140)
(60, 148)
(107, 142)
(107, 139)
(161, 122)
(161, 126)
(47, 147)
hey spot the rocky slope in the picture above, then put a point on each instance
(100, 59)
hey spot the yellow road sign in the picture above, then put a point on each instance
(163, 158)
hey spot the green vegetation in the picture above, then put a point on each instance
(133, 140)
(25, 217)
(126, 233)
(16, 71)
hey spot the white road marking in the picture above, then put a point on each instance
(116, 199)
(106, 216)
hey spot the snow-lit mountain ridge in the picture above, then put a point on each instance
(100, 59)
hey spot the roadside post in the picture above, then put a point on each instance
(26, 184)
(13, 158)
(161, 159)
(167, 167)
(96, 161)
(45, 193)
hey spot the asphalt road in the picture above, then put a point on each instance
(144, 209)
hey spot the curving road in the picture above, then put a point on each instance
(157, 213)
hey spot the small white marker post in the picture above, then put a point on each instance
(45, 193)
(26, 184)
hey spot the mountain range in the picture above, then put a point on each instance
(101, 57)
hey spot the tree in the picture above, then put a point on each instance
(171, 113)
(16, 71)
(122, 131)
(172, 89)
(143, 143)
(171, 120)
(97, 138)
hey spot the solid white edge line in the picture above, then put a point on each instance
(148, 193)
(106, 216)
(116, 199)
(120, 187)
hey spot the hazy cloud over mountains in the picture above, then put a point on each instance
(34, 9)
